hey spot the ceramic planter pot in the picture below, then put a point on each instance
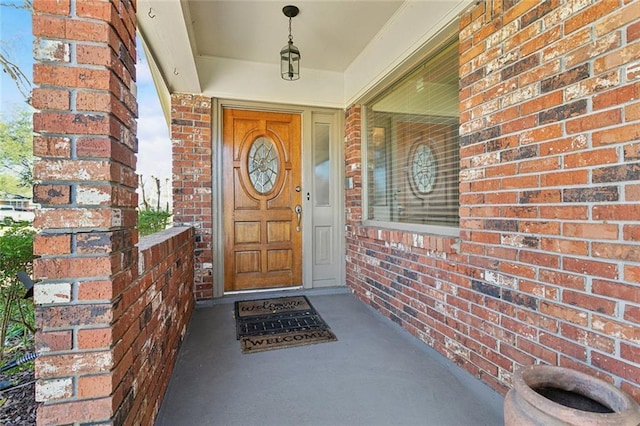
(547, 395)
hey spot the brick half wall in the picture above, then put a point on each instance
(161, 305)
(152, 315)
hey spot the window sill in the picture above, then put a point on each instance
(433, 238)
(431, 230)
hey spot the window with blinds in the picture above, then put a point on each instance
(412, 145)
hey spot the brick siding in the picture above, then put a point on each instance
(192, 180)
(546, 268)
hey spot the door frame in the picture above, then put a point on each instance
(306, 114)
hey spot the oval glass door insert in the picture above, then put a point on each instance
(424, 168)
(263, 165)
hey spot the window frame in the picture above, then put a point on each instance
(440, 230)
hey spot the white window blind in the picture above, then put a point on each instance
(412, 145)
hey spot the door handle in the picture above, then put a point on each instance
(298, 211)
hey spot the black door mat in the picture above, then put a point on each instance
(267, 324)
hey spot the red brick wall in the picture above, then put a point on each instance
(192, 180)
(546, 268)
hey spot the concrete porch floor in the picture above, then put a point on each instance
(375, 374)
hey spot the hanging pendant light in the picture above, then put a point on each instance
(290, 54)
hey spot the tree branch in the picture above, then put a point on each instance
(22, 81)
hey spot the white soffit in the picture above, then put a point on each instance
(255, 81)
(162, 25)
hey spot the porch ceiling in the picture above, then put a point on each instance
(229, 48)
(330, 34)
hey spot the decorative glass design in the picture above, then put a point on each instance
(264, 165)
(424, 168)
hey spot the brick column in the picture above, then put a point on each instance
(86, 144)
(353, 191)
(192, 180)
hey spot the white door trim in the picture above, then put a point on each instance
(306, 113)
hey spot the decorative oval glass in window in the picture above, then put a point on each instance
(424, 168)
(263, 164)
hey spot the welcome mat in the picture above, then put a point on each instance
(283, 322)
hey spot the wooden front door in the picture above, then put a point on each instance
(262, 200)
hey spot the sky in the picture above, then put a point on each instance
(154, 144)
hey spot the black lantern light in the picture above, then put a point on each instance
(290, 54)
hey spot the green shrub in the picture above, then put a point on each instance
(17, 323)
(152, 221)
